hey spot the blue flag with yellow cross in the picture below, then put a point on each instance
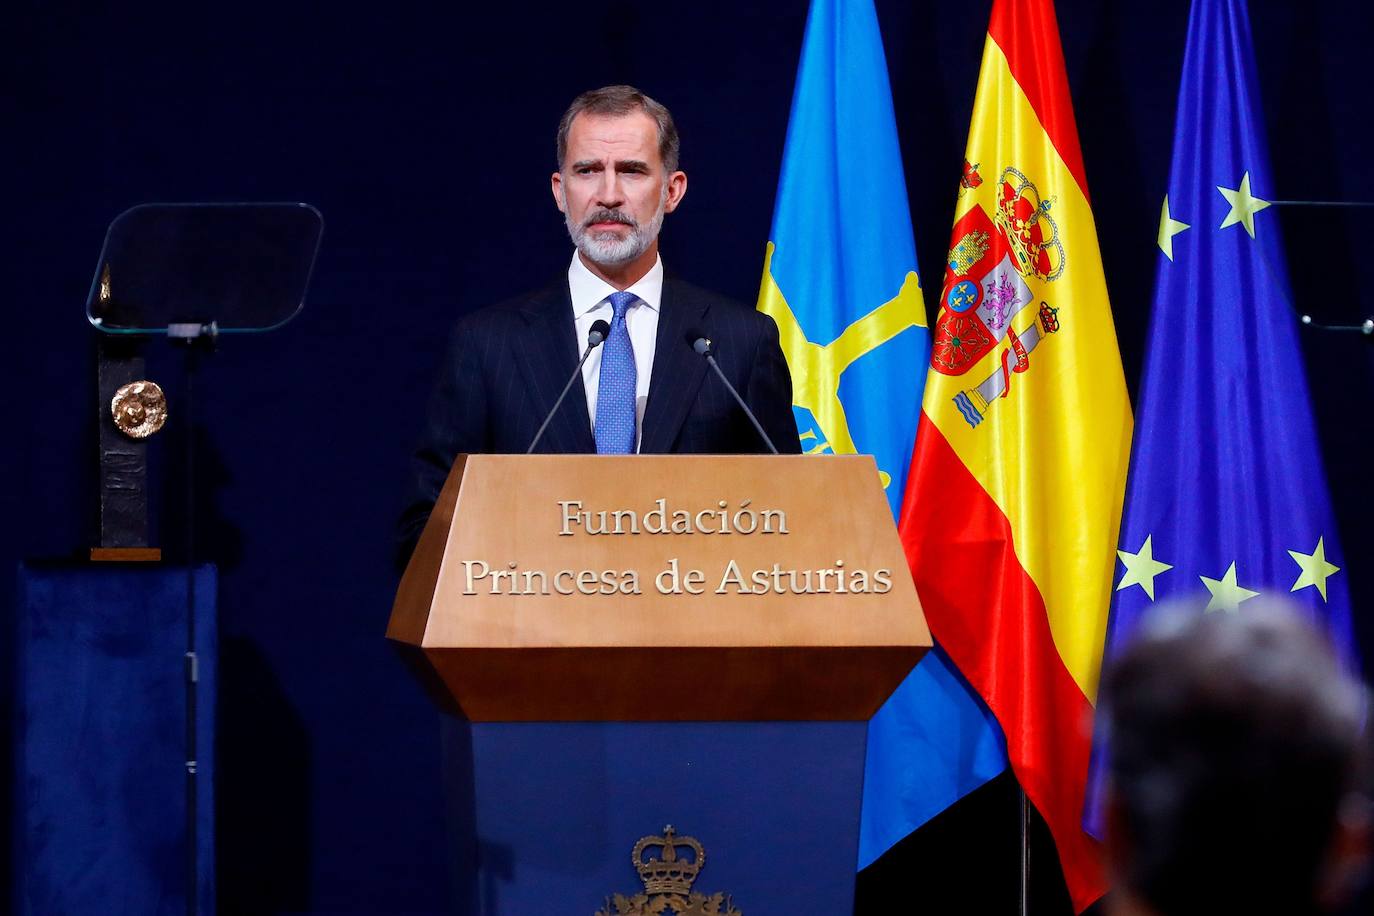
(840, 279)
(1226, 499)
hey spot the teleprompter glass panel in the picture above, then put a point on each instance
(242, 268)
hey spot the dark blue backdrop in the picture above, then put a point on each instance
(425, 136)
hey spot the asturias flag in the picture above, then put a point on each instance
(840, 280)
(1014, 498)
(1227, 499)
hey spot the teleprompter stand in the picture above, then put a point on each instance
(192, 273)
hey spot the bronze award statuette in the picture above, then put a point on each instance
(139, 409)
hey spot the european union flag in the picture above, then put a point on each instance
(840, 280)
(1226, 499)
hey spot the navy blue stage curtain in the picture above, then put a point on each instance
(100, 730)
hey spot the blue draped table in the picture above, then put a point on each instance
(100, 721)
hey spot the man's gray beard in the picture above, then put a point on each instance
(607, 248)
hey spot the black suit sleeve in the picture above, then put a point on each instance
(769, 392)
(456, 423)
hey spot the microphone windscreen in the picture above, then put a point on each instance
(599, 331)
(699, 341)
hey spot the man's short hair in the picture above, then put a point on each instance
(1234, 742)
(618, 101)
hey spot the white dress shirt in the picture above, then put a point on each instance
(590, 301)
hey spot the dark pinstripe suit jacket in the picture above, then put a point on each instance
(506, 365)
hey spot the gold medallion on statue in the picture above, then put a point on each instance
(139, 409)
(668, 881)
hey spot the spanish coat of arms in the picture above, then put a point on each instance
(992, 265)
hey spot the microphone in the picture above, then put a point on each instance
(595, 337)
(702, 344)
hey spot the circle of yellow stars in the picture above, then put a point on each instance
(1226, 593)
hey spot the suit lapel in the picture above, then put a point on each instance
(677, 372)
(547, 355)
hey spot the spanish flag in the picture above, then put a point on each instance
(1014, 497)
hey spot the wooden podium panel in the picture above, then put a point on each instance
(660, 588)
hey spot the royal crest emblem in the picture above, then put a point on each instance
(668, 879)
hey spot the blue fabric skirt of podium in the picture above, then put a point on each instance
(543, 816)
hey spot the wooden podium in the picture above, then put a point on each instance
(695, 640)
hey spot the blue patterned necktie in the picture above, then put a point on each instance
(615, 393)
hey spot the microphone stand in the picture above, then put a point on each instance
(594, 339)
(704, 346)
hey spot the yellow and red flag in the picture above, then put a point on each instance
(1014, 497)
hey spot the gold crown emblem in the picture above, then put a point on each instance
(1031, 232)
(668, 878)
(668, 873)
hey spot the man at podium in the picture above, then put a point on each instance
(506, 385)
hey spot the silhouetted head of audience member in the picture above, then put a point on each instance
(1238, 767)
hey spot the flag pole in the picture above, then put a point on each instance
(1025, 852)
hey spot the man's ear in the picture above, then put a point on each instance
(556, 185)
(677, 189)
